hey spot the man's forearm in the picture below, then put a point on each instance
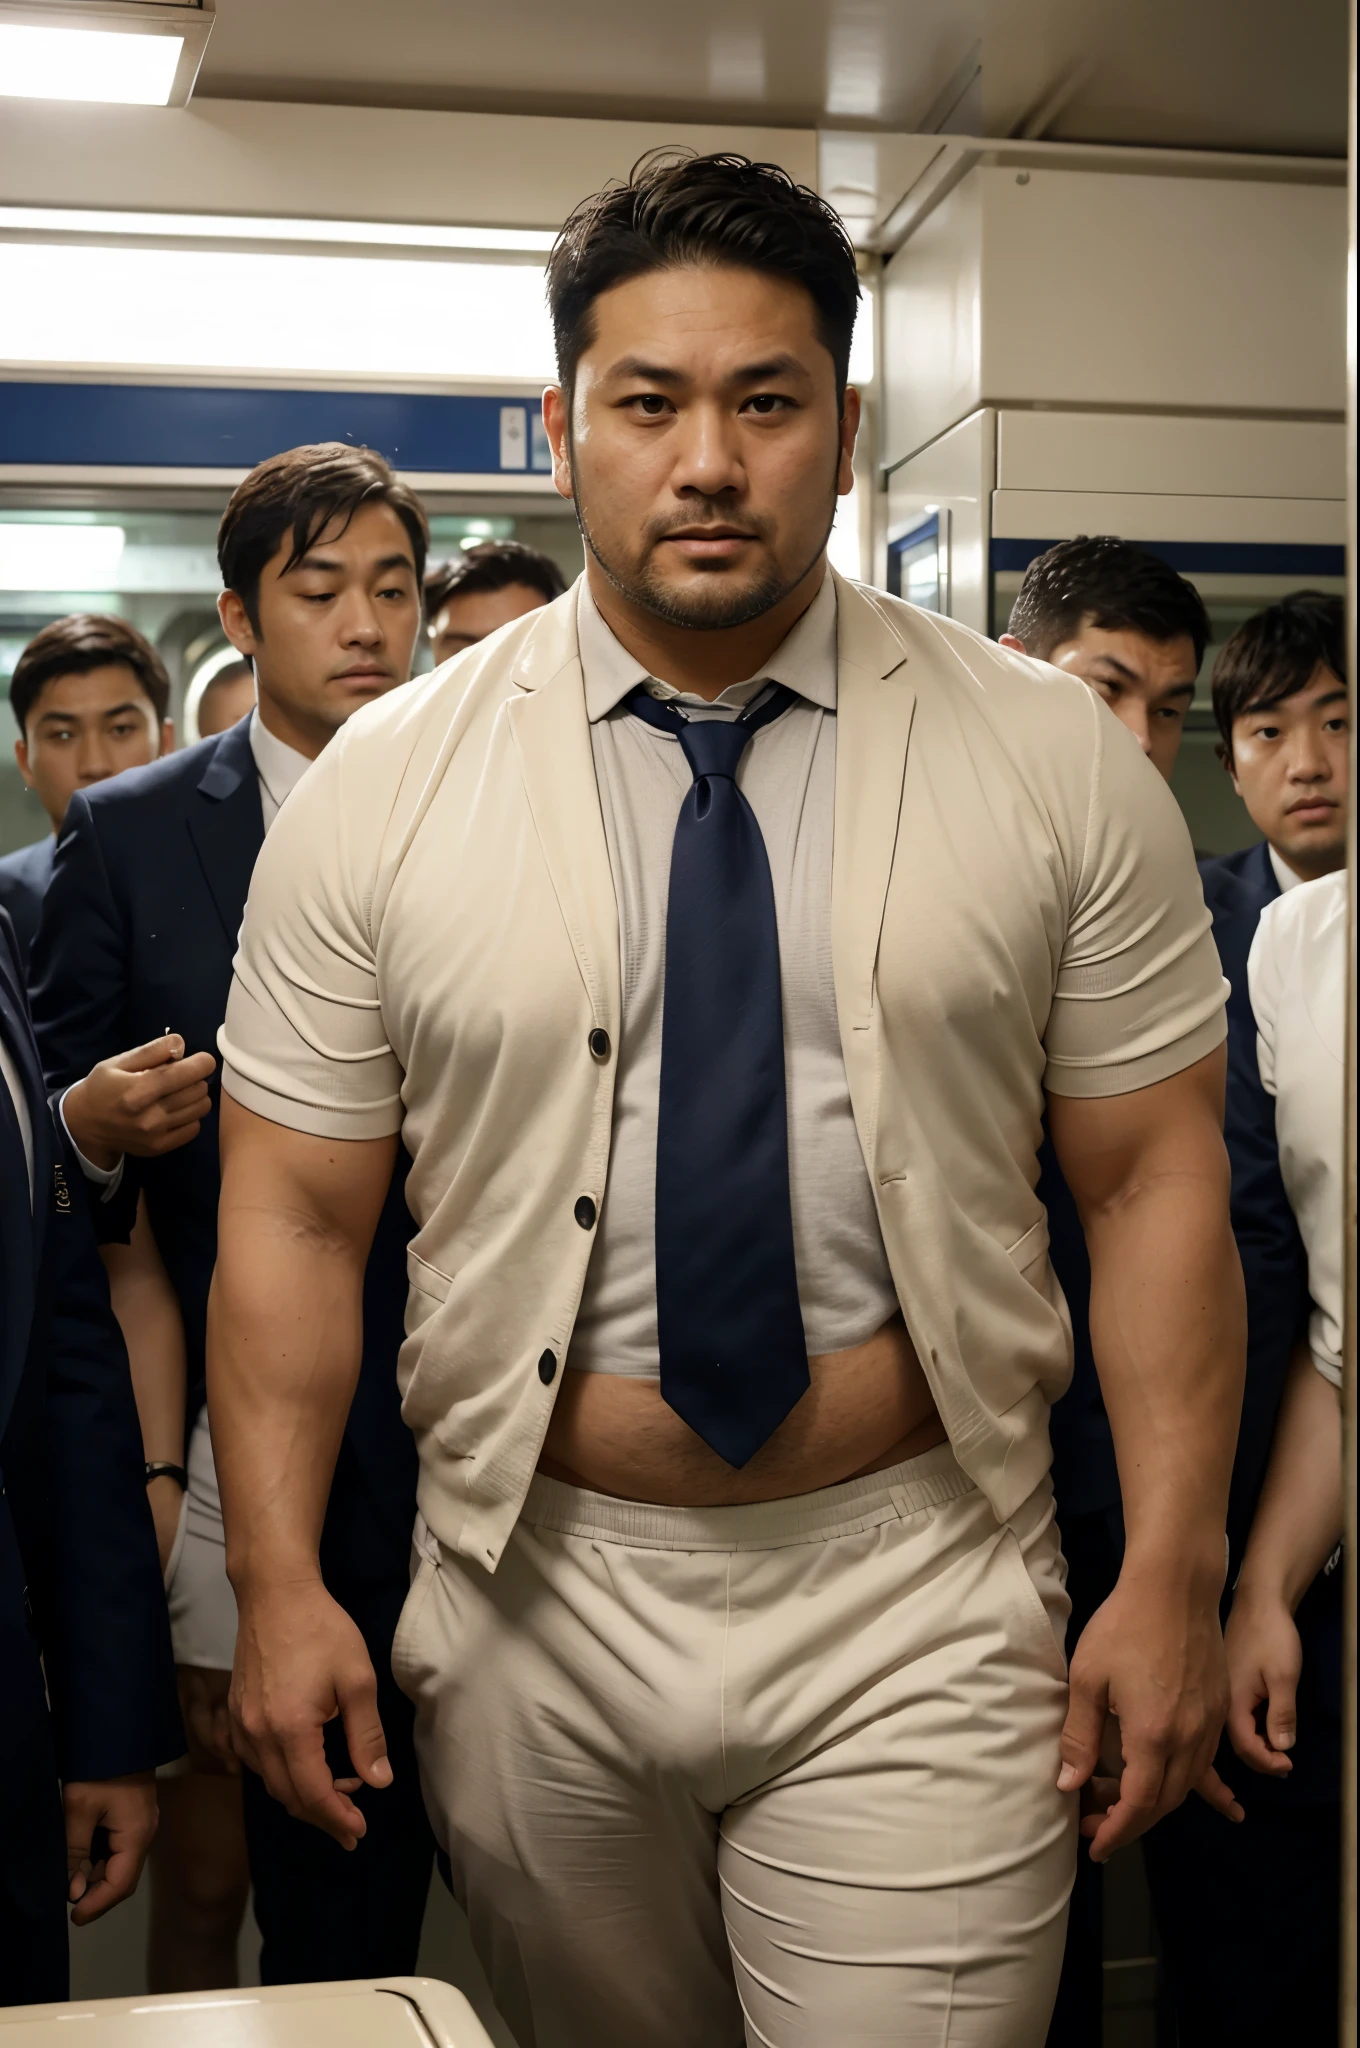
(1301, 1513)
(1168, 1330)
(284, 1338)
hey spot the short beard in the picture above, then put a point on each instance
(708, 607)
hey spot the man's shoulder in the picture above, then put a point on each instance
(1238, 880)
(459, 695)
(945, 658)
(162, 786)
(30, 867)
(1304, 916)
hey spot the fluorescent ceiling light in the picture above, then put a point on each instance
(203, 227)
(54, 557)
(268, 311)
(87, 64)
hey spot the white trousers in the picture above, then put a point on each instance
(781, 1774)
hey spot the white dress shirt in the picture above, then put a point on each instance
(1297, 976)
(788, 776)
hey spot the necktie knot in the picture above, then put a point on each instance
(714, 746)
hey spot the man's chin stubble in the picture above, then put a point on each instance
(711, 605)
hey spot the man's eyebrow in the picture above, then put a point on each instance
(1186, 689)
(326, 565)
(1339, 695)
(783, 365)
(68, 717)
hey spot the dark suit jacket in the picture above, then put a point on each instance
(24, 877)
(1237, 888)
(138, 935)
(80, 1583)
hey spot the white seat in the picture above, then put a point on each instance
(391, 2012)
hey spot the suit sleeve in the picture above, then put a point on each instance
(78, 981)
(100, 1604)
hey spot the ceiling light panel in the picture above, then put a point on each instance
(59, 557)
(123, 52)
(211, 227)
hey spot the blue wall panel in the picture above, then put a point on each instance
(173, 426)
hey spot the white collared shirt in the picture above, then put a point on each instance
(1283, 873)
(788, 776)
(279, 767)
(1297, 976)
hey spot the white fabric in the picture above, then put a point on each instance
(16, 1088)
(279, 767)
(1297, 976)
(788, 775)
(1284, 874)
(198, 1591)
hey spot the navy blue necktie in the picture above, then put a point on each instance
(733, 1353)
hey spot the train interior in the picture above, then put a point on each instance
(1103, 246)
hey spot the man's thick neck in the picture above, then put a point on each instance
(306, 737)
(690, 657)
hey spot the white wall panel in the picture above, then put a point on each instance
(1229, 458)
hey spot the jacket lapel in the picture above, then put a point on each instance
(552, 735)
(875, 701)
(226, 825)
(21, 1226)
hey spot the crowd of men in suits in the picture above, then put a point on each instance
(117, 935)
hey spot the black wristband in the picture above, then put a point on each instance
(161, 1468)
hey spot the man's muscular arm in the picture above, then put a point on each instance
(1149, 1174)
(285, 1335)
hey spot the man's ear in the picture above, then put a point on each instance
(1009, 640)
(167, 735)
(555, 422)
(236, 623)
(21, 756)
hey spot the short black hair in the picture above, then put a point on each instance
(491, 565)
(302, 492)
(1107, 582)
(75, 645)
(1275, 654)
(677, 209)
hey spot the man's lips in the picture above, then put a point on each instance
(363, 675)
(709, 543)
(1312, 807)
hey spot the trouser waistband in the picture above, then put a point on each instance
(857, 1504)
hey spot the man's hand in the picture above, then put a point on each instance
(203, 1708)
(125, 1808)
(1265, 1658)
(1151, 1659)
(300, 1661)
(148, 1102)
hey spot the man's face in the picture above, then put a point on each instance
(1148, 684)
(463, 621)
(84, 728)
(335, 631)
(705, 450)
(1291, 767)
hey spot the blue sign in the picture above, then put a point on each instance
(177, 426)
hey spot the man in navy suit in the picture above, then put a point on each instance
(322, 553)
(1249, 1919)
(87, 1693)
(89, 696)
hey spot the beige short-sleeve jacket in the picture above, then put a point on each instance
(432, 939)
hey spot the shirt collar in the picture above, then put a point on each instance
(1284, 874)
(279, 766)
(805, 661)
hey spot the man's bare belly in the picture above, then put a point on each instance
(866, 1409)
